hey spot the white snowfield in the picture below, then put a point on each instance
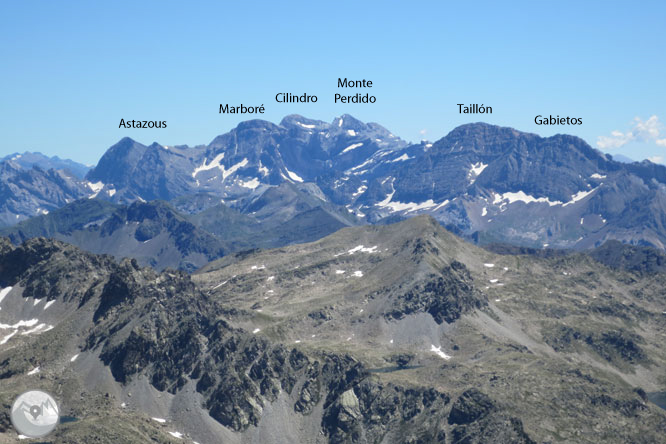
(215, 163)
(4, 292)
(363, 249)
(409, 207)
(358, 273)
(489, 265)
(294, 176)
(358, 167)
(220, 284)
(438, 351)
(360, 190)
(521, 196)
(160, 420)
(96, 187)
(304, 125)
(402, 158)
(29, 323)
(48, 304)
(475, 170)
(34, 371)
(351, 147)
(34, 330)
(4, 340)
(251, 184)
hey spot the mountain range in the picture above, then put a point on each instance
(399, 333)
(319, 282)
(487, 183)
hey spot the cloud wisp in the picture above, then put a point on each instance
(648, 131)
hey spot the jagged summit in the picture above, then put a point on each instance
(299, 121)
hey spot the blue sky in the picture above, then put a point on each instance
(71, 70)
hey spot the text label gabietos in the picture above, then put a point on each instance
(550, 120)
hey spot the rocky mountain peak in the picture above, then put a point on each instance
(303, 123)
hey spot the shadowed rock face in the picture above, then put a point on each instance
(477, 420)
(471, 406)
(445, 296)
(638, 259)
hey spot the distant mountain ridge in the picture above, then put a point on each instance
(28, 159)
(489, 183)
(161, 235)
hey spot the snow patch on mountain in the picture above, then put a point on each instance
(352, 147)
(401, 158)
(96, 187)
(475, 170)
(357, 167)
(252, 183)
(580, 196)
(410, 207)
(215, 163)
(34, 330)
(294, 176)
(360, 190)
(4, 340)
(29, 323)
(4, 292)
(438, 351)
(363, 249)
(521, 196)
